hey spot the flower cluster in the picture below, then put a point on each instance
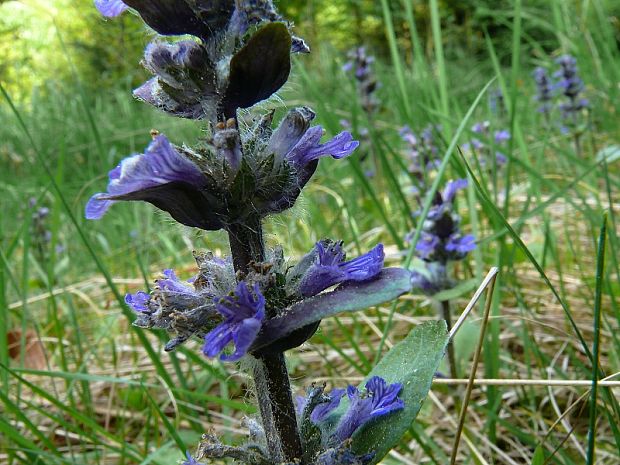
(497, 103)
(486, 144)
(361, 64)
(216, 71)
(320, 411)
(422, 151)
(441, 241)
(564, 84)
(544, 90)
(570, 85)
(228, 179)
(41, 234)
(213, 306)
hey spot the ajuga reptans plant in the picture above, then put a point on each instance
(256, 304)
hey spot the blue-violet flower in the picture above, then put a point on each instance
(379, 399)
(110, 8)
(160, 176)
(544, 90)
(571, 86)
(330, 268)
(243, 312)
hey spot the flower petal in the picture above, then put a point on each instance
(138, 301)
(244, 312)
(163, 177)
(110, 8)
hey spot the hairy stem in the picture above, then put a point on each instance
(275, 401)
(445, 314)
(271, 380)
(246, 244)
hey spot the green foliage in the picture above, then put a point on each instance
(62, 41)
(412, 362)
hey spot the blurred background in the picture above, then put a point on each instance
(80, 385)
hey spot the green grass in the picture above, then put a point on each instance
(80, 385)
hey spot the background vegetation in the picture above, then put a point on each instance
(80, 385)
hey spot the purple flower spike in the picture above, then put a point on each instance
(110, 8)
(138, 301)
(544, 88)
(161, 176)
(330, 268)
(309, 147)
(243, 313)
(380, 400)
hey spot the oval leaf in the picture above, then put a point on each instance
(412, 362)
(350, 297)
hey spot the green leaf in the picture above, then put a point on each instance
(349, 297)
(539, 456)
(412, 362)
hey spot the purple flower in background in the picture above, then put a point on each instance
(422, 151)
(496, 101)
(243, 314)
(451, 189)
(154, 176)
(330, 268)
(500, 158)
(461, 244)
(441, 240)
(361, 63)
(481, 127)
(110, 8)
(544, 89)
(484, 150)
(570, 85)
(427, 244)
(502, 136)
(379, 399)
